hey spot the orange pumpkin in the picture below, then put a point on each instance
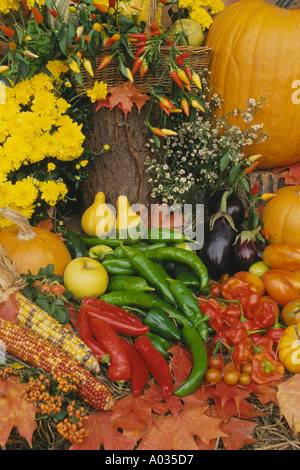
(281, 216)
(32, 248)
(256, 52)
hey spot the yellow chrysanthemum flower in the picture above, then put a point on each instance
(53, 192)
(98, 92)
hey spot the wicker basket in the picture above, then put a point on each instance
(199, 59)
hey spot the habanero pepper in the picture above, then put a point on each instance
(156, 364)
(86, 335)
(139, 369)
(264, 344)
(236, 333)
(119, 325)
(248, 296)
(242, 353)
(233, 314)
(196, 346)
(105, 307)
(266, 313)
(275, 331)
(265, 369)
(119, 369)
(215, 311)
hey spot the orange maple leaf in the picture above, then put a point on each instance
(15, 411)
(239, 433)
(289, 404)
(124, 97)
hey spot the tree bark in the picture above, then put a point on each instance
(120, 170)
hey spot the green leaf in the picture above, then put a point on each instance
(61, 315)
(42, 303)
(234, 172)
(224, 162)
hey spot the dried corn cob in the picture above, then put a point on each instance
(41, 354)
(36, 319)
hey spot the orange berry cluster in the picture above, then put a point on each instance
(6, 372)
(40, 392)
(72, 428)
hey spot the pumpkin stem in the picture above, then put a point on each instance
(25, 229)
(284, 3)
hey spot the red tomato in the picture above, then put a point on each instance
(279, 288)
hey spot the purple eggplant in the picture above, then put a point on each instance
(245, 249)
(234, 206)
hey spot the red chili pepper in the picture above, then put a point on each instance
(119, 369)
(242, 353)
(155, 33)
(105, 307)
(143, 69)
(119, 325)
(85, 333)
(265, 369)
(170, 43)
(140, 44)
(156, 363)
(104, 62)
(188, 71)
(215, 311)
(176, 79)
(185, 55)
(179, 61)
(138, 62)
(54, 13)
(8, 31)
(233, 314)
(139, 52)
(87, 38)
(165, 110)
(266, 313)
(255, 189)
(139, 36)
(264, 344)
(249, 169)
(186, 110)
(158, 132)
(37, 15)
(112, 3)
(139, 369)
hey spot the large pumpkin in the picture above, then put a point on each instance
(32, 248)
(281, 216)
(256, 52)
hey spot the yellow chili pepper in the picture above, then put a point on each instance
(74, 66)
(72, 9)
(97, 27)
(4, 68)
(129, 74)
(197, 105)
(267, 196)
(88, 67)
(197, 81)
(169, 132)
(27, 38)
(183, 77)
(30, 55)
(255, 157)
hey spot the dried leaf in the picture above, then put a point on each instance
(124, 97)
(239, 433)
(15, 411)
(289, 404)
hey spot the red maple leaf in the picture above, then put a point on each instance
(239, 433)
(15, 411)
(124, 97)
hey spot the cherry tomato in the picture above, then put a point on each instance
(213, 376)
(58, 289)
(291, 312)
(247, 368)
(252, 279)
(215, 362)
(231, 377)
(244, 378)
(279, 288)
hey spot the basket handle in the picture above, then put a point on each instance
(152, 13)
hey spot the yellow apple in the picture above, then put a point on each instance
(85, 277)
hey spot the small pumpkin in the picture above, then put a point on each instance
(281, 216)
(32, 248)
(289, 348)
(98, 220)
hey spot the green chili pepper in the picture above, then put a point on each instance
(117, 266)
(123, 282)
(147, 269)
(194, 342)
(189, 306)
(100, 251)
(162, 324)
(162, 270)
(92, 241)
(179, 255)
(155, 235)
(186, 276)
(144, 300)
(75, 245)
(161, 344)
(121, 251)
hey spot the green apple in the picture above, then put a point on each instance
(85, 277)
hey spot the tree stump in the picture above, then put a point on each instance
(120, 170)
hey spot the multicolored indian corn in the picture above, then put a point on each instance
(41, 354)
(36, 319)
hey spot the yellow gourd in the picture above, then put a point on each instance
(99, 219)
(129, 224)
